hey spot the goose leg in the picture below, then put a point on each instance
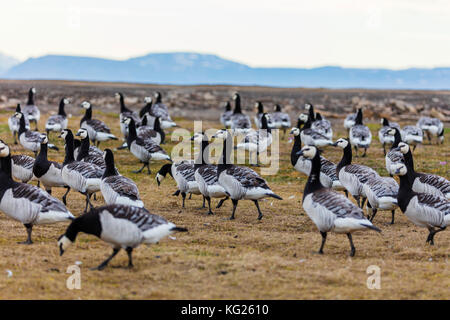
(14, 136)
(324, 238)
(29, 230)
(49, 191)
(365, 153)
(89, 201)
(183, 194)
(235, 203)
(384, 149)
(428, 136)
(363, 202)
(374, 212)
(352, 247)
(203, 206)
(176, 193)
(130, 258)
(190, 196)
(148, 168)
(64, 197)
(357, 200)
(346, 193)
(105, 263)
(433, 231)
(39, 184)
(260, 215)
(209, 205)
(221, 202)
(140, 170)
(393, 216)
(356, 151)
(414, 148)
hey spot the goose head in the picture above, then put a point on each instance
(303, 117)
(295, 131)
(148, 99)
(403, 147)
(341, 143)
(86, 105)
(221, 134)
(390, 131)
(18, 115)
(308, 152)
(198, 137)
(400, 169)
(4, 149)
(83, 133)
(43, 138)
(63, 243)
(63, 134)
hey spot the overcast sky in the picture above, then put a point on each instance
(286, 33)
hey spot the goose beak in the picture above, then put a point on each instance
(334, 144)
(192, 138)
(397, 171)
(300, 153)
(77, 134)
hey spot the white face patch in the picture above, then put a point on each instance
(159, 177)
(309, 152)
(64, 243)
(342, 143)
(127, 121)
(198, 137)
(303, 117)
(221, 134)
(307, 106)
(83, 133)
(400, 169)
(404, 148)
(66, 101)
(391, 132)
(63, 134)
(33, 90)
(85, 104)
(4, 152)
(148, 99)
(44, 138)
(295, 131)
(18, 115)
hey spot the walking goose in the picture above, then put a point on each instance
(125, 112)
(386, 139)
(156, 133)
(432, 126)
(27, 203)
(85, 155)
(22, 167)
(159, 109)
(144, 150)
(279, 119)
(322, 126)
(393, 156)
(225, 117)
(311, 137)
(49, 172)
(14, 124)
(240, 183)
(58, 121)
(116, 188)
(423, 209)
(31, 111)
(381, 195)
(412, 135)
(79, 175)
(240, 123)
(98, 130)
(328, 209)
(360, 135)
(121, 226)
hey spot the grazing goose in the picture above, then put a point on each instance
(58, 121)
(240, 123)
(142, 149)
(322, 126)
(225, 117)
(349, 121)
(27, 203)
(79, 175)
(156, 133)
(147, 107)
(49, 172)
(353, 176)
(85, 155)
(22, 167)
(159, 109)
(311, 137)
(393, 156)
(121, 226)
(432, 126)
(98, 130)
(125, 112)
(279, 119)
(31, 111)
(423, 209)
(424, 182)
(257, 141)
(240, 183)
(14, 124)
(412, 135)
(386, 139)
(116, 188)
(360, 135)
(205, 174)
(328, 209)
(381, 195)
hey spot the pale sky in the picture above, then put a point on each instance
(282, 33)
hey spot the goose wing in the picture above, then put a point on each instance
(438, 182)
(37, 196)
(431, 210)
(209, 174)
(87, 170)
(122, 186)
(143, 219)
(247, 177)
(338, 204)
(329, 168)
(186, 170)
(32, 136)
(98, 125)
(23, 161)
(241, 121)
(360, 132)
(55, 119)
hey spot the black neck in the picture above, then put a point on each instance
(69, 148)
(61, 110)
(22, 127)
(88, 223)
(228, 107)
(30, 101)
(295, 149)
(311, 114)
(158, 98)
(167, 168)
(277, 108)
(202, 157)
(42, 156)
(385, 122)
(318, 116)
(157, 128)
(87, 115)
(308, 123)
(110, 167)
(145, 109)
(346, 158)
(225, 162)
(313, 183)
(144, 121)
(260, 107)
(84, 149)
(123, 107)
(132, 135)
(264, 124)
(405, 192)
(237, 105)
(359, 117)
(5, 166)
(397, 138)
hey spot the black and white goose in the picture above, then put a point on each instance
(84, 153)
(125, 112)
(381, 194)
(49, 172)
(311, 137)
(27, 203)
(412, 135)
(31, 111)
(424, 182)
(423, 209)
(432, 127)
(58, 121)
(144, 150)
(360, 135)
(116, 188)
(14, 124)
(81, 176)
(121, 226)
(240, 183)
(322, 126)
(393, 156)
(98, 130)
(22, 167)
(240, 123)
(155, 133)
(159, 109)
(225, 117)
(279, 119)
(386, 139)
(329, 210)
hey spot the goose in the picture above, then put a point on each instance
(31, 111)
(279, 119)
(240, 183)
(311, 137)
(159, 109)
(58, 121)
(360, 135)
(259, 113)
(322, 126)
(412, 135)
(49, 172)
(329, 210)
(349, 121)
(81, 176)
(240, 123)
(205, 174)
(147, 107)
(225, 117)
(116, 188)
(142, 149)
(125, 112)
(121, 226)
(156, 133)
(92, 149)
(27, 203)
(310, 108)
(381, 195)
(84, 153)
(423, 209)
(393, 156)
(98, 130)
(424, 182)
(257, 141)
(14, 124)
(432, 126)
(386, 139)
(22, 167)
(353, 176)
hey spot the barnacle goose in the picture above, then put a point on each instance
(125, 112)
(98, 130)
(322, 126)
(240, 123)
(432, 126)
(156, 133)
(58, 121)
(116, 188)
(79, 175)
(381, 194)
(311, 137)
(27, 203)
(257, 141)
(350, 121)
(279, 119)
(353, 176)
(240, 183)
(14, 124)
(423, 209)
(144, 150)
(225, 117)
(22, 167)
(31, 111)
(121, 226)
(412, 135)
(424, 182)
(49, 172)
(159, 109)
(328, 209)
(360, 135)
(84, 154)
(205, 174)
(386, 139)
(393, 156)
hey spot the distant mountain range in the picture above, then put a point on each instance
(6, 62)
(186, 68)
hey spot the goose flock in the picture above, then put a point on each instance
(124, 222)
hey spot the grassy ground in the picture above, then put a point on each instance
(242, 259)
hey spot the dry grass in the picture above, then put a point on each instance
(242, 259)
